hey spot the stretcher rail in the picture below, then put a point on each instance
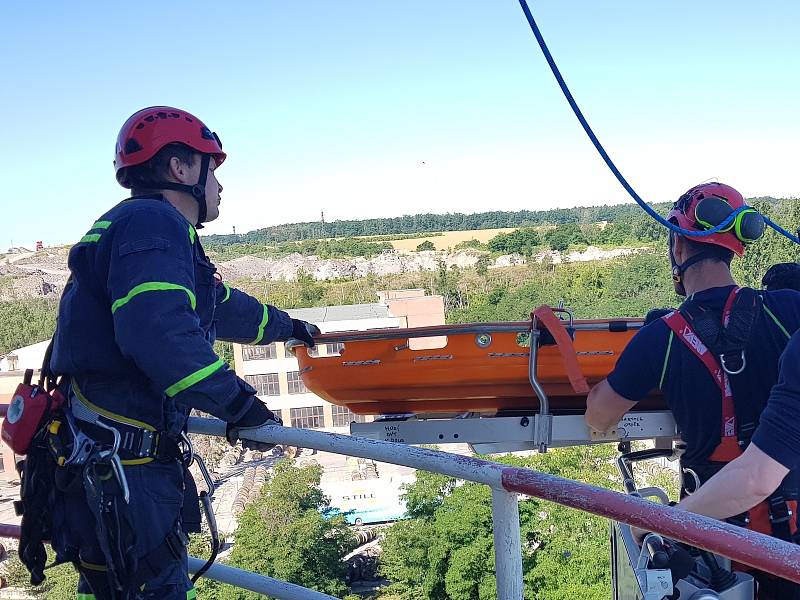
(470, 328)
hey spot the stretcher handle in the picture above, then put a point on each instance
(545, 317)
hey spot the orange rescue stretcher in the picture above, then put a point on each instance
(546, 365)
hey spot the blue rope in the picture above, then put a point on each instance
(604, 155)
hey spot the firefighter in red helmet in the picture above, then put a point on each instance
(715, 358)
(134, 343)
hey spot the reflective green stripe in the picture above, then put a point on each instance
(227, 293)
(101, 225)
(152, 286)
(91, 596)
(192, 234)
(92, 237)
(93, 566)
(666, 359)
(195, 377)
(777, 322)
(261, 326)
(191, 594)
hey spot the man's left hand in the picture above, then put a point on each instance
(305, 332)
(639, 534)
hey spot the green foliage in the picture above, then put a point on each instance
(334, 248)
(471, 244)
(284, 535)
(225, 351)
(621, 287)
(446, 551)
(61, 582)
(562, 237)
(25, 322)
(771, 248)
(520, 241)
(422, 223)
(482, 266)
(426, 245)
(310, 290)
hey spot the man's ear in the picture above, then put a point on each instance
(679, 248)
(178, 170)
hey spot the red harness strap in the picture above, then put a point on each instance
(678, 323)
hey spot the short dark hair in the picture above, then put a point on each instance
(148, 177)
(716, 253)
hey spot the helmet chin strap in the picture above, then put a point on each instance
(678, 269)
(197, 191)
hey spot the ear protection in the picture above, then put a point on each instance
(748, 225)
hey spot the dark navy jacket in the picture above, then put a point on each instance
(140, 313)
(653, 360)
(778, 433)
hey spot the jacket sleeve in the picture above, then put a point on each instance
(243, 319)
(153, 293)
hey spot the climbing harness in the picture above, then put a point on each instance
(719, 343)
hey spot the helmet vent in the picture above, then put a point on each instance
(132, 146)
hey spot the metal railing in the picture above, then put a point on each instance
(507, 483)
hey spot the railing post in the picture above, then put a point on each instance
(507, 548)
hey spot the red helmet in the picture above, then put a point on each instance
(150, 129)
(721, 200)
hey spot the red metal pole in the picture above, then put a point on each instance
(755, 549)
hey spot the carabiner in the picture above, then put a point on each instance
(725, 366)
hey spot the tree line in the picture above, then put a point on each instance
(424, 223)
(428, 222)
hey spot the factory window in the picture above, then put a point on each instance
(343, 416)
(266, 384)
(296, 385)
(259, 352)
(308, 417)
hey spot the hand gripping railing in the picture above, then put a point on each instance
(757, 550)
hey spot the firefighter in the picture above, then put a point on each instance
(715, 359)
(135, 333)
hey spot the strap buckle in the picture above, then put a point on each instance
(779, 511)
(740, 520)
(724, 364)
(695, 480)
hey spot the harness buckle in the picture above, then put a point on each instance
(741, 520)
(695, 480)
(724, 364)
(147, 443)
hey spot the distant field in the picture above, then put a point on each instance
(448, 239)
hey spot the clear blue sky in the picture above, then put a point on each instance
(371, 108)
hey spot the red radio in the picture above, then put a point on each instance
(30, 408)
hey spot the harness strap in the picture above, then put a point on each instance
(780, 515)
(678, 323)
(706, 336)
(140, 442)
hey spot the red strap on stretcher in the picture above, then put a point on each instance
(548, 319)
